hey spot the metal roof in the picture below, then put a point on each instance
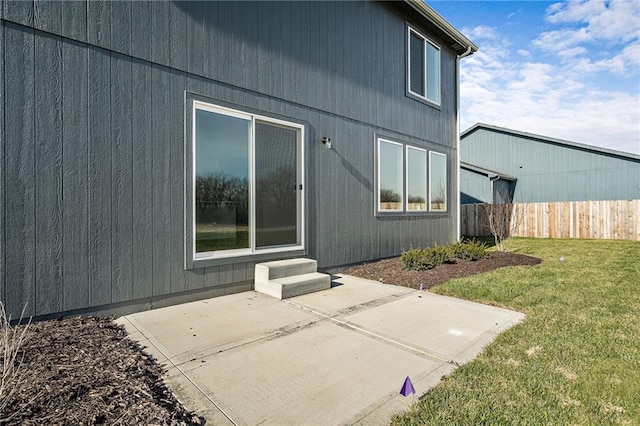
(554, 141)
(491, 174)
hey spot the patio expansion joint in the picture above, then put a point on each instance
(182, 373)
(339, 320)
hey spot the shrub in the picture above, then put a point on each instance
(438, 255)
(412, 259)
(470, 250)
(417, 259)
(428, 258)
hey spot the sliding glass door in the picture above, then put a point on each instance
(247, 182)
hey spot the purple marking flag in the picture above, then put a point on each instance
(407, 387)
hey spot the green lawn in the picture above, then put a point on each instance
(575, 360)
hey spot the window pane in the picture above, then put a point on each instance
(222, 182)
(276, 185)
(416, 64)
(438, 181)
(433, 73)
(390, 175)
(416, 179)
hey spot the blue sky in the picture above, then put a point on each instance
(569, 70)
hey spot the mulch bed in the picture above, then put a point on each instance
(86, 371)
(389, 271)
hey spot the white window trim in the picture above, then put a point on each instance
(252, 250)
(446, 201)
(406, 183)
(425, 74)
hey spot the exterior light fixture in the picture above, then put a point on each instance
(326, 142)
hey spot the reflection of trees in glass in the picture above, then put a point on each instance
(219, 190)
(439, 197)
(416, 199)
(389, 196)
(276, 197)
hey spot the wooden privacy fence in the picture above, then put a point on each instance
(618, 220)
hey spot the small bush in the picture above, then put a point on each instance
(440, 254)
(470, 250)
(428, 258)
(417, 259)
(412, 259)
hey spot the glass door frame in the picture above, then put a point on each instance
(300, 182)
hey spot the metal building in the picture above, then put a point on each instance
(537, 168)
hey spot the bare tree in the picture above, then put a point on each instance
(503, 218)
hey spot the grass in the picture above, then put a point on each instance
(574, 360)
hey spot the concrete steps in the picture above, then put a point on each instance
(288, 278)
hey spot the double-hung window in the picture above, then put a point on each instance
(247, 183)
(410, 179)
(423, 67)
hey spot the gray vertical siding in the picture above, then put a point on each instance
(19, 176)
(74, 20)
(100, 177)
(47, 16)
(142, 178)
(121, 178)
(99, 23)
(2, 165)
(93, 177)
(75, 178)
(48, 173)
(161, 119)
(19, 11)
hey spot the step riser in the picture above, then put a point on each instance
(280, 269)
(288, 278)
(279, 290)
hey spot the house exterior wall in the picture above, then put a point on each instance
(550, 171)
(93, 138)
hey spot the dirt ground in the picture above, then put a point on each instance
(85, 371)
(389, 271)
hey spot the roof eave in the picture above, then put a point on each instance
(466, 46)
(550, 140)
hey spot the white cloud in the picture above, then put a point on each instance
(524, 53)
(572, 52)
(590, 21)
(615, 20)
(481, 32)
(556, 99)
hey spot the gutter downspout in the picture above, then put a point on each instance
(465, 54)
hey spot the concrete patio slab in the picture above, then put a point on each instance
(195, 329)
(445, 326)
(337, 356)
(350, 293)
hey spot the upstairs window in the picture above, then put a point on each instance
(423, 67)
